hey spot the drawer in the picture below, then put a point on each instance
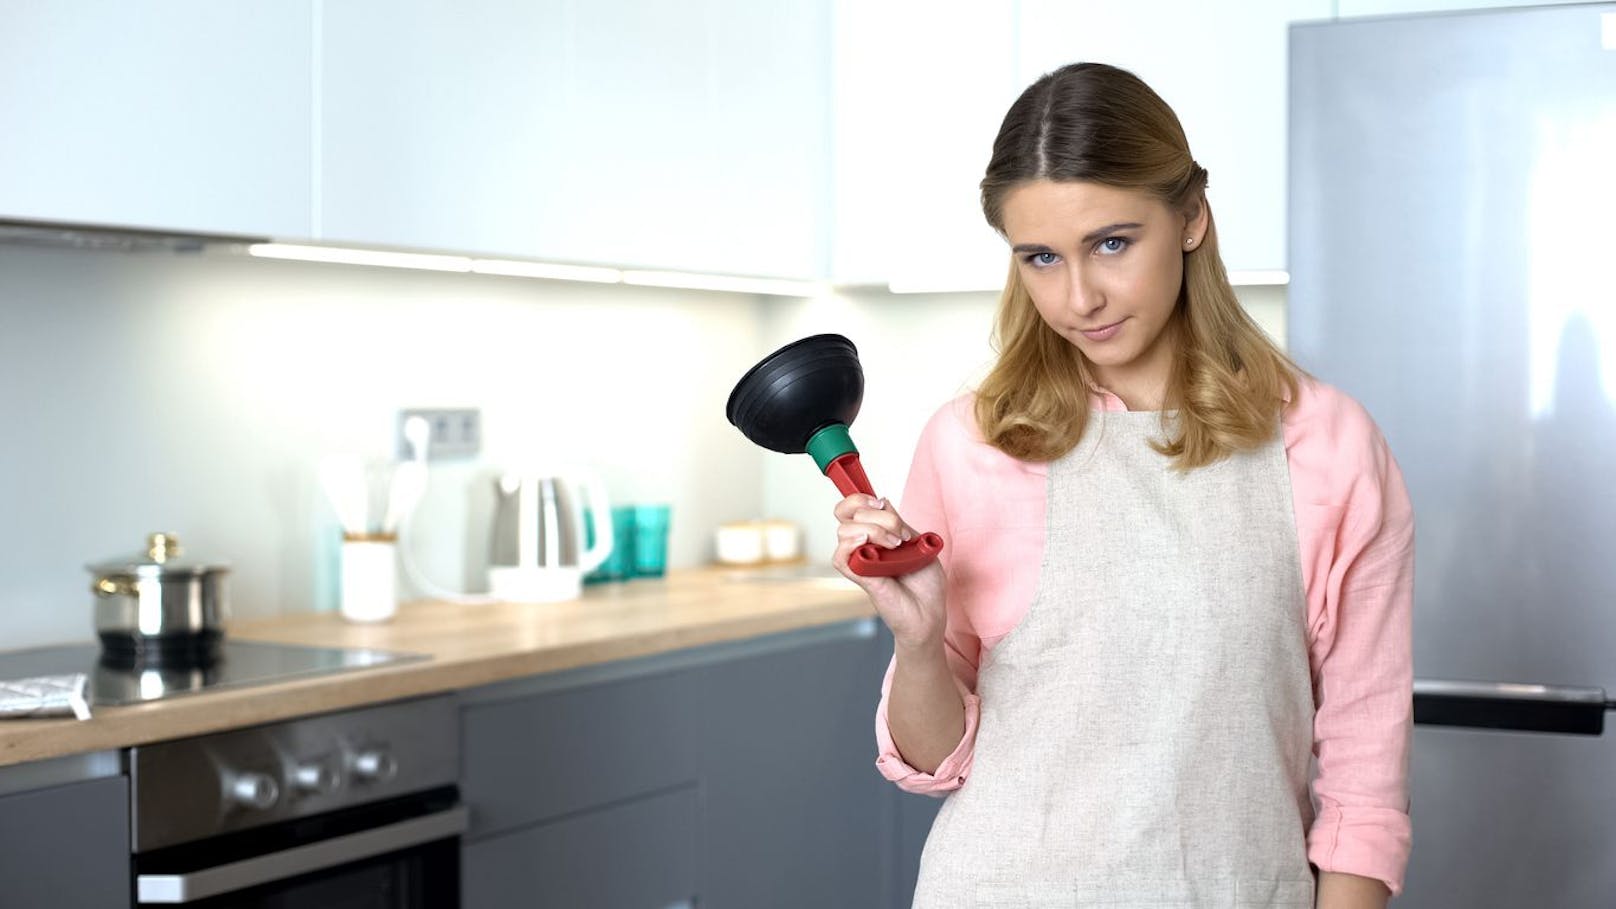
(542, 756)
(639, 854)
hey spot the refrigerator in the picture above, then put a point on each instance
(1452, 250)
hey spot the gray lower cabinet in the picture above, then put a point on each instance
(66, 845)
(726, 777)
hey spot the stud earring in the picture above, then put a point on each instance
(1189, 241)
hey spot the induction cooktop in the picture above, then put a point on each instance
(240, 663)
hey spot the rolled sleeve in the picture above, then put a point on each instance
(951, 773)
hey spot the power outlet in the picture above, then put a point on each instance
(456, 432)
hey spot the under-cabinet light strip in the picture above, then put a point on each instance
(524, 269)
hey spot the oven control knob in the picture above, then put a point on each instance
(255, 790)
(314, 779)
(373, 765)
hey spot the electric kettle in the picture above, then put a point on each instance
(538, 550)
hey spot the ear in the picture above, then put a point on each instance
(1197, 215)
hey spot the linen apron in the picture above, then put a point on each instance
(1146, 730)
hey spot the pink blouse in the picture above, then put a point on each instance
(1356, 533)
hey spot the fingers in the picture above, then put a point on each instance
(874, 517)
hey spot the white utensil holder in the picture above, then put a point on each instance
(369, 585)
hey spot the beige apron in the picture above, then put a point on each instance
(1146, 730)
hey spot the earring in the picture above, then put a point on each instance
(1189, 241)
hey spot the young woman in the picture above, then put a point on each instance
(1178, 569)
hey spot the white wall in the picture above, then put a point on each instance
(195, 394)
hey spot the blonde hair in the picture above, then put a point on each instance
(1229, 383)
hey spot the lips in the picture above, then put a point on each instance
(1104, 331)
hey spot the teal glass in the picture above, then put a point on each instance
(650, 556)
(619, 564)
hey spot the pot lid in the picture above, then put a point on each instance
(161, 557)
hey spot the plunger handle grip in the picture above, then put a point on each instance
(870, 560)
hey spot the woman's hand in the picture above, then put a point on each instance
(911, 605)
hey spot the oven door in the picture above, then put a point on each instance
(404, 855)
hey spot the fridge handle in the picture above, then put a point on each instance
(1507, 705)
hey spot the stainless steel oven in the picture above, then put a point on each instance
(341, 811)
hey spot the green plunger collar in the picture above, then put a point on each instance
(830, 443)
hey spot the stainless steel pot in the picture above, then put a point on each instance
(156, 608)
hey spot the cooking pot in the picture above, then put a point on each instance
(155, 608)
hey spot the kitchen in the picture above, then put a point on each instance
(196, 392)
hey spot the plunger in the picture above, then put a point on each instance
(802, 398)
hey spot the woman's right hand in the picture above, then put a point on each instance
(910, 605)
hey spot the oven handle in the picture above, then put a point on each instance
(288, 863)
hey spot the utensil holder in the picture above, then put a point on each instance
(369, 580)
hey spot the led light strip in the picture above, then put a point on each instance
(551, 271)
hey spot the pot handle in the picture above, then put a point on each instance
(105, 588)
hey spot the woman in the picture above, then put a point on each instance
(1178, 569)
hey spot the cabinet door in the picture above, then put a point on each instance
(1222, 68)
(187, 115)
(919, 94)
(623, 132)
(66, 846)
(797, 815)
(440, 123)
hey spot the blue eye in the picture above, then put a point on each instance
(1041, 259)
(1112, 245)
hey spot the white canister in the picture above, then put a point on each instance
(782, 541)
(739, 543)
(369, 585)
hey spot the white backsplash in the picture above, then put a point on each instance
(195, 394)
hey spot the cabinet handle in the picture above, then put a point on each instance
(275, 866)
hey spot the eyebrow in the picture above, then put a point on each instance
(1088, 238)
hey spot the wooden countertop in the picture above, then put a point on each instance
(468, 645)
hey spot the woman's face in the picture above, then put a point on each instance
(1103, 266)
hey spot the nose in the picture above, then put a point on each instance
(1083, 295)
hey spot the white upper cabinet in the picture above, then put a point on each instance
(920, 90)
(1222, 68)
(687, 136)
(183, 115)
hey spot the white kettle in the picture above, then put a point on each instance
(538, 551)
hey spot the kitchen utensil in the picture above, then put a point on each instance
(342, 476)
(538, 550)
(803, 397)
(404, 494)
(157, 608)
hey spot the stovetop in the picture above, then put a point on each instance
(240, 664)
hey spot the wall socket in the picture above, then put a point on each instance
(456, 432)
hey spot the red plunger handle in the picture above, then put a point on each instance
(870, 560)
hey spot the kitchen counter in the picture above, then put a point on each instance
(469, 646)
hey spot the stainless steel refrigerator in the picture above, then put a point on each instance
(1453, 266)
